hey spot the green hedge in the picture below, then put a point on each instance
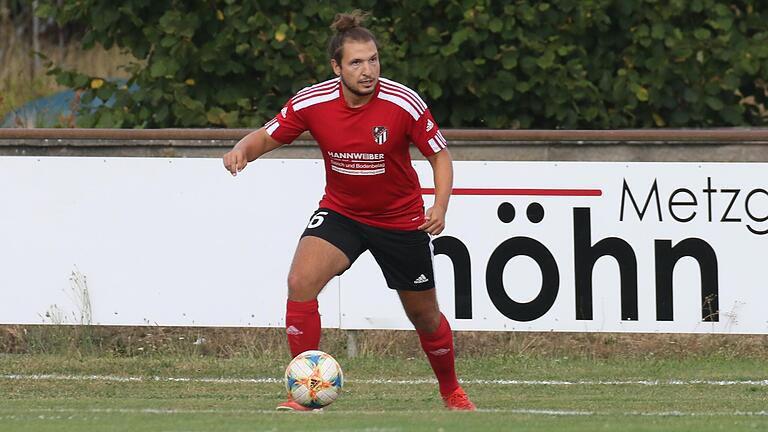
(602, 64)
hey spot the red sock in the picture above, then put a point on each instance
(439, 349)
(302, 324)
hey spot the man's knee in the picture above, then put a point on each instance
(302, 287)
(425, 319)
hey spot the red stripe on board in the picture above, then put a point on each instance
(529, 192)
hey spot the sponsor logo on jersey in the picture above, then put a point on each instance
(353, 163)
(421, 279)
(440, 352)
(430, 125)
(380, 134)
(284, 112)
(355, 155)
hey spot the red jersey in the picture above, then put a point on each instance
(368, 171)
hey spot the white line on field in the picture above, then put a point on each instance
(272, 380)
(56, 413)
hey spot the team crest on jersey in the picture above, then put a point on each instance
(380, 134)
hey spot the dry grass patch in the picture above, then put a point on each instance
(255, 342)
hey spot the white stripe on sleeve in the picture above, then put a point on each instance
(441, 139)
(435, 146)
(272, 128)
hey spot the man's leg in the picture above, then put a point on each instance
(434, 334)
(437, 342)
(315, 263)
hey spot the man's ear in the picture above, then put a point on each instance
(336, 68)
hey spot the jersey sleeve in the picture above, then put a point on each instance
(426, 135)
(287, 125)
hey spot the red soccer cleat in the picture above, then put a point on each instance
(292, 405)
(458, 401)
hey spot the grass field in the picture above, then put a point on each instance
(520, 393)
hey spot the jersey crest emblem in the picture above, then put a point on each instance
(380, 134)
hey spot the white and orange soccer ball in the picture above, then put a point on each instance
(313, 379)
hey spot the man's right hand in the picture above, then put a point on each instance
(235, 161)
(251, 147)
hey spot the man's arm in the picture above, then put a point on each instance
(248, 149)
(442, 169)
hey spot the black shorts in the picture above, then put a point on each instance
(405, 257)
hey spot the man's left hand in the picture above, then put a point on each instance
(434, 220)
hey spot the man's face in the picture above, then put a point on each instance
(359, 68)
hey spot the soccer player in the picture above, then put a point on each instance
(364, 125)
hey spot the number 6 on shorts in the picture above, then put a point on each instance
(317, 219)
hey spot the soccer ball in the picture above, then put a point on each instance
(313, 379)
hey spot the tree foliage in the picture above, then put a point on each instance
(478, 63)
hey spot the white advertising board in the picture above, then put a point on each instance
(160, 241)
(616, 247)
(533, 246)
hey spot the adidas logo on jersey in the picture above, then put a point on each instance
(284, 112)
(421, 279)
(430, 125)
(293, 331)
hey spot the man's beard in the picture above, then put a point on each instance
(356, 92)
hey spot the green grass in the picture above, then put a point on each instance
(82, 396)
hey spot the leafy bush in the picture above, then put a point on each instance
(479, 63)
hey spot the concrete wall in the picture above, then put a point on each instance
(713, 145)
